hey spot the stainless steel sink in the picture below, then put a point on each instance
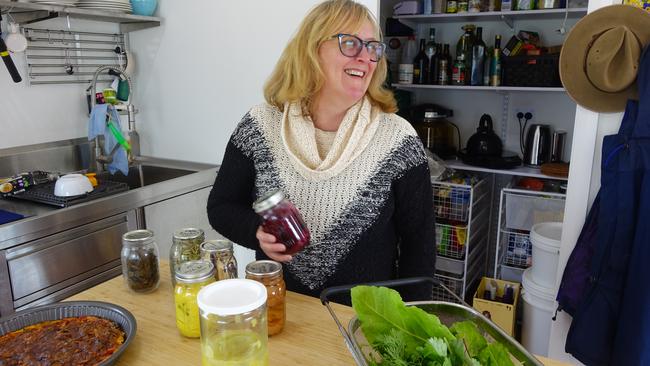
(143, 175)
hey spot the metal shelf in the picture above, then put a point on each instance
(480, 88)
(30, 13)
(507, 16)
(521, 171)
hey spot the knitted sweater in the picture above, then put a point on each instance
(371, 221)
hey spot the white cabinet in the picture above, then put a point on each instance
(188, 210)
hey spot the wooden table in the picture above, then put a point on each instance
(310, 336)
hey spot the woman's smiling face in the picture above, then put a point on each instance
(347, 78)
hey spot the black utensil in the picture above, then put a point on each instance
(6, 58)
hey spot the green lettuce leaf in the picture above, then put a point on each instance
(469, 333)
(381, 309)
(495, 354)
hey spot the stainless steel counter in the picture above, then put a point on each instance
(55, 252)
(44, 220)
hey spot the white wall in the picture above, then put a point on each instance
(42, 113)
(201, 71)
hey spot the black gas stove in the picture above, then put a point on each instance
(44, 193)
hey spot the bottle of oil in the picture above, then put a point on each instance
(464, 49)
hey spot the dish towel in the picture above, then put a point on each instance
(6, 216)
(97, 126)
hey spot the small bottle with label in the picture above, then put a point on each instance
(458, 72)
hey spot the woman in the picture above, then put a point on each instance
(328, 137)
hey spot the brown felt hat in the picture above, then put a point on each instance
(600, 57)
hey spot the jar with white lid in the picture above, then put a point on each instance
(233, 323)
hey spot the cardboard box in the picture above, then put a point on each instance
(502, 314)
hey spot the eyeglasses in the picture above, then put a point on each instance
(351, 46)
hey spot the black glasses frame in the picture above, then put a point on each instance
(378, 46)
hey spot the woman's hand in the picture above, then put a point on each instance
(271, 247)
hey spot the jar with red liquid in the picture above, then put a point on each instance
(283, 220)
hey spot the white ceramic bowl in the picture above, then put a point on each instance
(72, 185)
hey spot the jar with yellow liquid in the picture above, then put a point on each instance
(233, 323)
(191, 277)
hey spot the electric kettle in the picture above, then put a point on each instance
(484, 142)
(537, 149)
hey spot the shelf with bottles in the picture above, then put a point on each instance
(536, 14)
(24, 12)
(480, 88)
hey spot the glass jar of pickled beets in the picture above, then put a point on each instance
(283, 220)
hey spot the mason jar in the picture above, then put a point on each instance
(233, 323)
(186, 246)
(269, 273)
(191, 277)
(283, 220)
(140, 260)
(220, 253)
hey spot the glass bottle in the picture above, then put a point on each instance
(421, 65)
(434, 63)
(186, 246)
(270, 274)
(464, 49)
(444, 67)
(140, 262)
(191, 277)
(430, 49)
(478, 59)
(233, 322)
(220, 253)
(495, 62)
(283, 220)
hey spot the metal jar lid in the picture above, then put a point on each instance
(216, 246)
(263, 268)
(268, 200)
(194, 271)
(138, 237)
(188, 234)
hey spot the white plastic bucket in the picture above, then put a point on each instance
(539, 305)
(545, 238)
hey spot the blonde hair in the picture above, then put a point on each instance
(298, 75)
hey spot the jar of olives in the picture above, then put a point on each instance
(186, 246)
(283, 220)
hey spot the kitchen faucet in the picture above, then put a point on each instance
(134, 138)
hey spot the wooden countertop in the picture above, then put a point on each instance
(310, 336)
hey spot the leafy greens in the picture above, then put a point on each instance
(409, 336)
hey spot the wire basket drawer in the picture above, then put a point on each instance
(451, 202)
(524, 211)
(451, 240)
(518, 249)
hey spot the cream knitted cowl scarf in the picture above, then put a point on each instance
(353, 136)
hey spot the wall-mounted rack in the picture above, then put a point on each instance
(27, 13)
(71, 57)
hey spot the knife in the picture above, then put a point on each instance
(9, 63)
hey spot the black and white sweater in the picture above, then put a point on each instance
(372, 221)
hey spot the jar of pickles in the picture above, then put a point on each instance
(220, 253)
(233, 323)
(269, 273)
(191, 277)
(283, 220)
(140, 261)
(186, 246)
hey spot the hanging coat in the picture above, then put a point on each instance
(612, 324)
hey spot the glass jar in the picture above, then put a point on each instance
(269, 273)
(186, 246)
(220, 253)
(140, 260)
(191, 277)
(233, 323)
(283, 220)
